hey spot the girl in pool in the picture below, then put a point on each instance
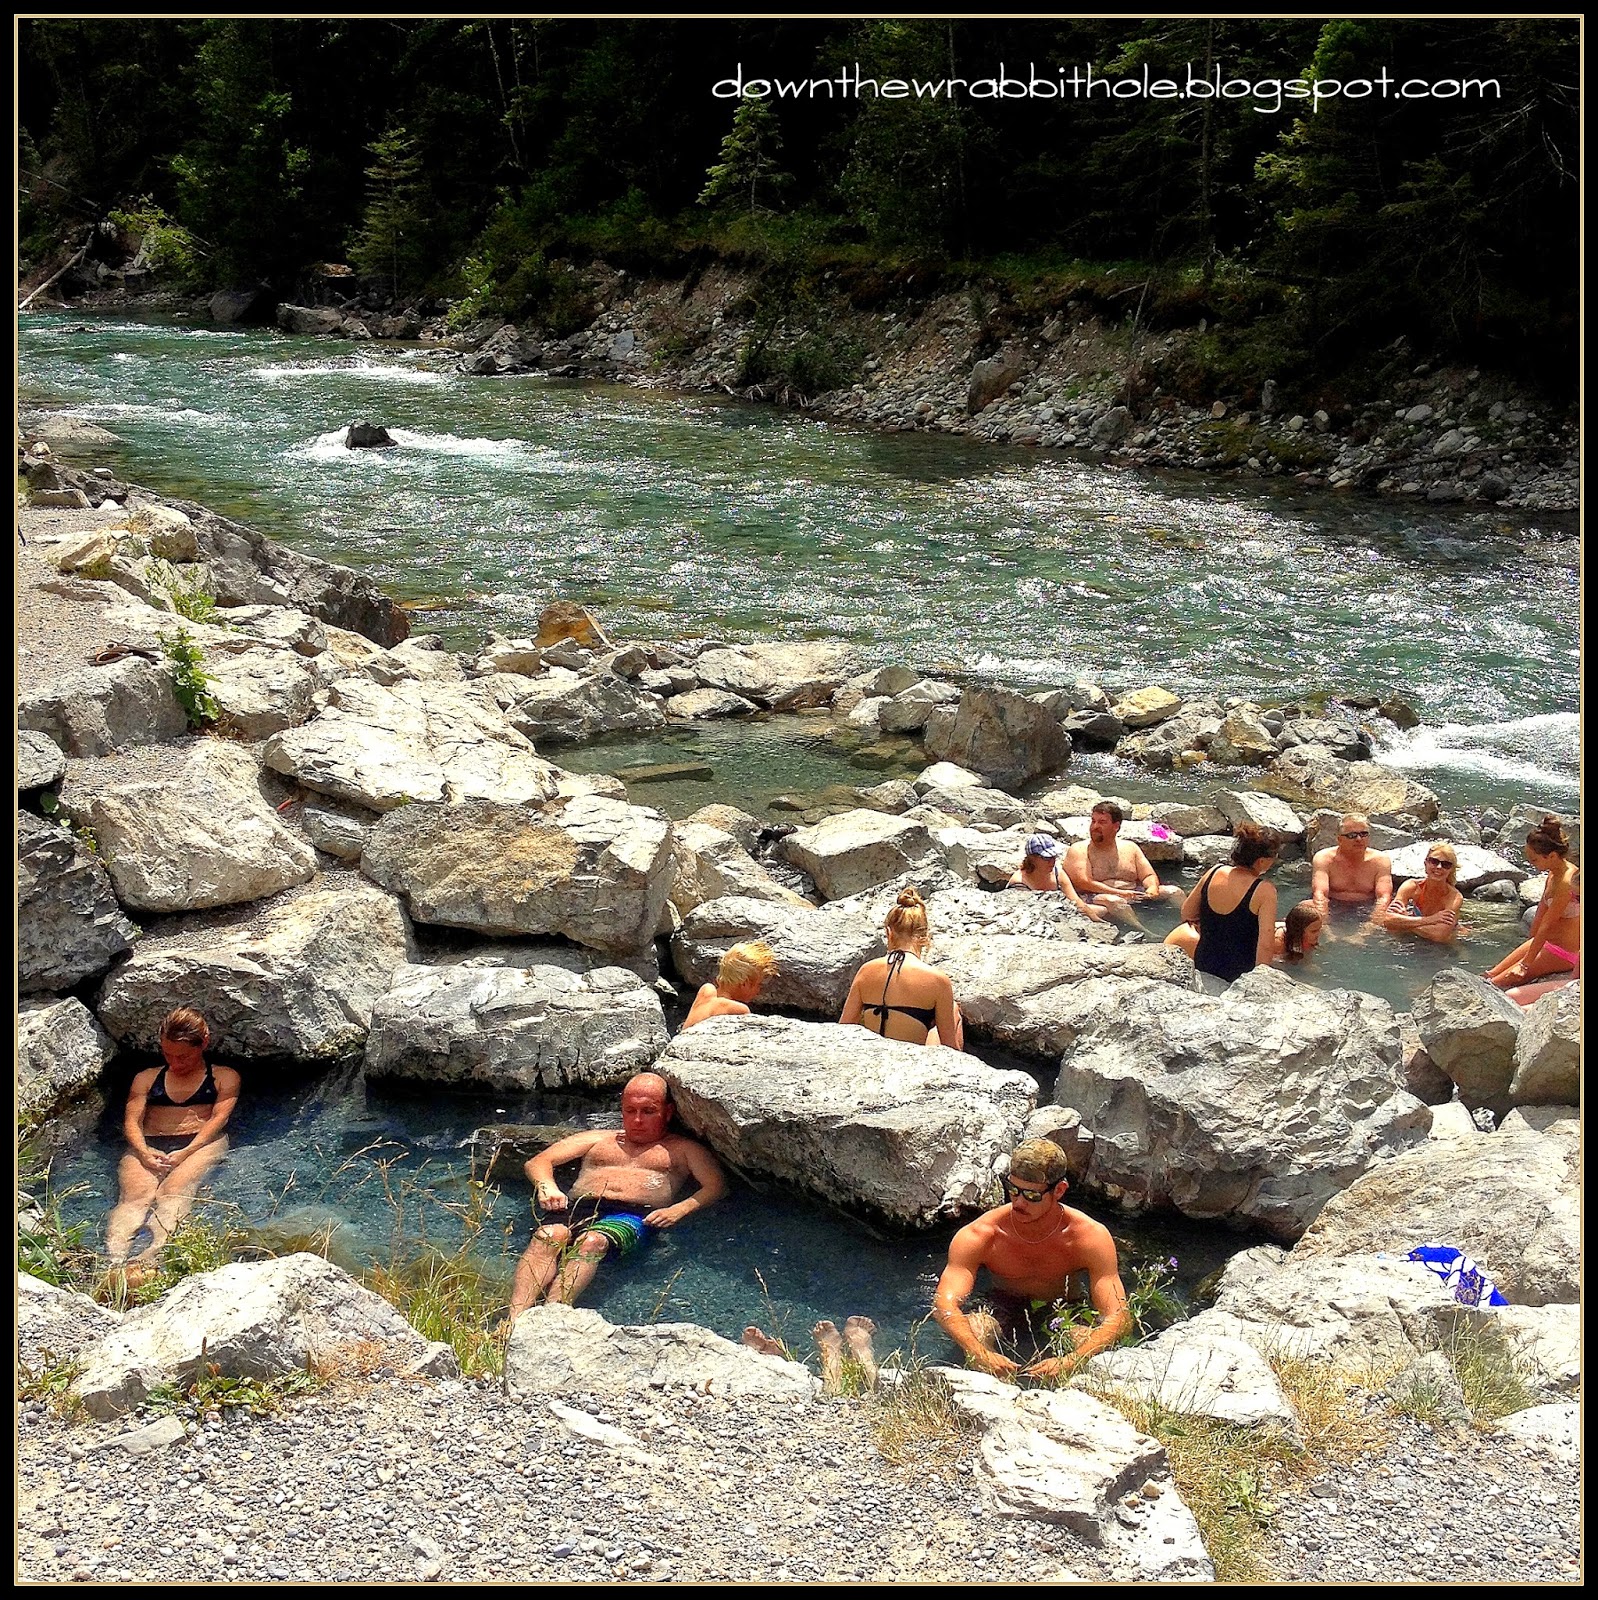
(175, 1122)
(1428, 907)
(1293, 940)
(1554, 947)
(922, 1010)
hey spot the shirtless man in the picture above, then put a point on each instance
(739, 980)
(1108, 871)
(1350, 871)
(1042, 872)
(1031, 1247)
(627, 1185)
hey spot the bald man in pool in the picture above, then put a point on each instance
(626, 1186)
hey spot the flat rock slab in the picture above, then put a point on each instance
(258, 1319)
(1258, 1104)
(1201, 1367)
(710, 864)
(572, 1350)
(55, 1323)
(69, 926)
(597, 871)
(1511, 1200)
(784, 677)
(412, 741)
(202, 836)
(1553, 1430)
(61, 1051)
(910, 1131)
(294, 978)
(1063, 1456)
(515, 1029)
(855, 850)
(40, 761)
(1000, 734)
(1312, 774)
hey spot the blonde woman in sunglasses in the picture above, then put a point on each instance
(1428, 907)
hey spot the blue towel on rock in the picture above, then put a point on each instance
(1471, 1286)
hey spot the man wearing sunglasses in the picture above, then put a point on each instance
(1350, 871)
(1032, 1248)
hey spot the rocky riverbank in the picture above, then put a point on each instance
(338, 840)
(1074, 377)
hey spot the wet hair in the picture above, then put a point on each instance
(752, 959)
(1111, 810)
(1038, 1161)
(184, 1026)
(1444, 850)
(908, 919)
(1548, 838)
(1253, 843)
(1300, 920)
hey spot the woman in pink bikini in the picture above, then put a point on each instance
(175, 1123)
(1554, 947)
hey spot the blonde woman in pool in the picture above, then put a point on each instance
(922, 1009)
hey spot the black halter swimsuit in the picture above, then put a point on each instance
(205, 1095)
(1228, 940)
(927, 1016)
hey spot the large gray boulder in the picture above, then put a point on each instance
(69, 926)
(261, 689)
(855, 850)
(564, 707)
(1014, 988)
(61, 1051)
(202, 836)
(558, 1349)
(1256, 1105)
(1372, 1310)
(1000, 734)
(96, 710)
(258, 1319)
(1267, 811)
(595, 870)
(1511, 1200)
(784, 677)
(1548, 1051)
(411, 741)
(293, 978)
(515, 1029)
(1067, 1457)
(1312, 774)
(973, 802)
(40, 761)
(709, 864)
(55, 1324)
(911, 1132)
(818, 949)
(1164, 744)
(1470, 1029)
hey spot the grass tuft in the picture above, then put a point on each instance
(52, 1382)
(915, 1421)
(1495, 1379)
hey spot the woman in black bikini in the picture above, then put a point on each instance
(175, 1123)
(1235, 909)
(914, 1002)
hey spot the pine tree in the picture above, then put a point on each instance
(393, 208)
(748, 158)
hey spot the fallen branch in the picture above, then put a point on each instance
(62, 273)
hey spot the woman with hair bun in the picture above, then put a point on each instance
(1428, 907)
(898, 995)
(1555, 943)
(1234, 909)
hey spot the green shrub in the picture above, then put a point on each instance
(191, 683)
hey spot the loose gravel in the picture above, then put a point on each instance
(395, 1480)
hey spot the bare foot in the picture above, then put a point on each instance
(830, 1346)
(857, 1333)
(763, 1342)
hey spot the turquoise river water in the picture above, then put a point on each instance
(685, 516)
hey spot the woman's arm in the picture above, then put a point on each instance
(1265, 909)
(950, 1029)
(227, 1096)
(1195, 898)
(1396, 918)
(133, 1123)
(851, 1006)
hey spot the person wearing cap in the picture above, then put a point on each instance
(1350, 871)
(1032, 1247)
(1042, 870)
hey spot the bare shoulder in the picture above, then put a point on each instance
(1093, 1238)
(1382, 861)
(976, 1238)
(143, 1080)
(1324, 857)
(227, 1078)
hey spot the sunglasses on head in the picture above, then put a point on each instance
(1018, 1192)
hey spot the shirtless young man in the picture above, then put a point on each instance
(1350, 871)
(1031, 1247)
(627, 1185)
(1108, 871)
(739, 980)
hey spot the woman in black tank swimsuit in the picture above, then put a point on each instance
(902, 978)
(1233, 942)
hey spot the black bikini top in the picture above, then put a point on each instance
(205, 1095)
(927, 1016)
